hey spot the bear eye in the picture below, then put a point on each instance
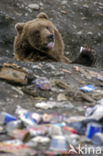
(47, 27)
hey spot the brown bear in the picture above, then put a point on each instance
(39, 40)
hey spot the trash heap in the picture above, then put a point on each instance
(31, 133)
(47, 133)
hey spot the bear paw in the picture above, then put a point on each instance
(87, 57)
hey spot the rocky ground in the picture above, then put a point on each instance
(81, 24)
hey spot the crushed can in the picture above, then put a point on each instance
(83, 49)
(42, 83)
(6, 117)
(92, 129)
(38, 130)
(87, 88)
(58, 143)
(30, 119)
(46, 118)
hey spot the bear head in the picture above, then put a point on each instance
(39, 33)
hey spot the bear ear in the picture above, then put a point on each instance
(42, 15)
(19, 27)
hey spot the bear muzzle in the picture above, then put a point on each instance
(51, 41)
(50, 37)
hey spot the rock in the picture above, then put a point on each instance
(90, 33)
(61, 97)
(85, 6)
(79, 32)
(63, 11)
(61, 84)
(26, 14)
(64, 2)
(30, 10)
(41, 4)
(79, 96)
(34, 6)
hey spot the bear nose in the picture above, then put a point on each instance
(50, 37)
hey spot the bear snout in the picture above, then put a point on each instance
(50, 37)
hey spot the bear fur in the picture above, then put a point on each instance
(39, 40)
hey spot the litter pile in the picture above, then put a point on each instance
(49, 133)
(49, 130)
